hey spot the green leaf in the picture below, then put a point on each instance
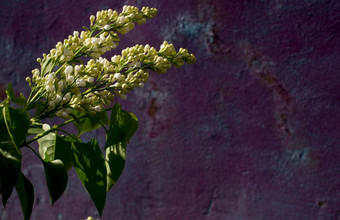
(63, 150)
(10, 165)
(10, 160)
(35, 128)
(123, 125)
(11, 96)
(34, 131)
(114, 162)
(40, 107)
(85, 122)
(56, 178)
(89, 163)
(47, 146)
(17, 122)
(25, 192)
(46, 66)
(85, 28)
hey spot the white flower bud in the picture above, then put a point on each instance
(120, 20)
(111, 68)
(67, 52)
(118, 76)
(124, 30)
(67, 97)
(50, 88)
(80, 83)
(107, 27)
(61, 84)
(50, 77)
(75, 33)
(68, 70)
(97, 108)
(70, 79)
(64, 115)
(46, 127)
(92, 18)
(51, 104)
(90, 79)
(95, 40)
(115, 58)
(76, 69)
(137, 65)
(58, 98)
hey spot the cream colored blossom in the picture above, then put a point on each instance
(65, 83)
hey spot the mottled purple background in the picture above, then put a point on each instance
(251, 131)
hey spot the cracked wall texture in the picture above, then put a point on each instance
(251, 131)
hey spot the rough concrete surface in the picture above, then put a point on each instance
(251, 131)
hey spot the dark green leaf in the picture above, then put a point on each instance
(63, 150)
(25, 192)
(89, 163)
(11, 96)
(56, 178)
(86, 122)
(10, 165)
(10, 161)
(47, 146)
(40, 107)
(123, 125)
(75, 117)
(17, 122)
(115, 162)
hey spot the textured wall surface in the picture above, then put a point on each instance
(251, 131)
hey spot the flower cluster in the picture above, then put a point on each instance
(66, 85)
(105, 24)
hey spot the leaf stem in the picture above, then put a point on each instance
(34, 152)
(54, 128)
(69, 134)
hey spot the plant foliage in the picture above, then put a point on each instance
(84, 95)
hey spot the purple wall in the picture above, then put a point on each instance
(251, 131)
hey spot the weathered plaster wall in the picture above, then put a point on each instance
(251, 131)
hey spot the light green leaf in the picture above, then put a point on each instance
(123, 125)
(114, 162)
(11, 96)
(89, 163)
(25, 192)
(47, 146)
(86, 122)
(33, 131)
(46, 66)
(56, 178)
(35, 128)
(17, 122)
